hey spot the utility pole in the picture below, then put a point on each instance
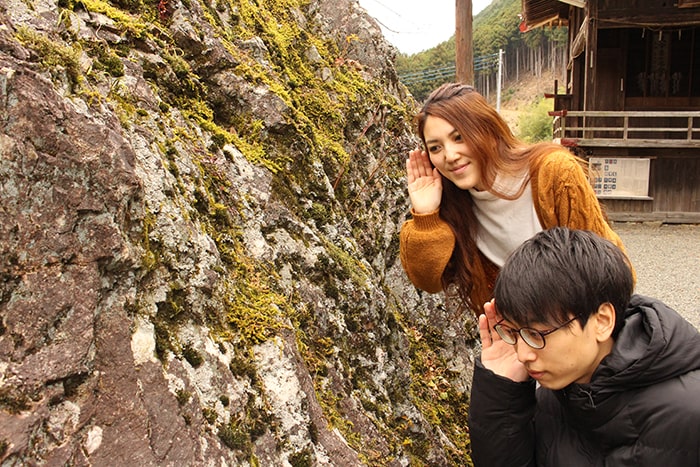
(499, 80)
(464, 52)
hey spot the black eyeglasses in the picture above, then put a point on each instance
(531, 337)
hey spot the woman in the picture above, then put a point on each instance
(477, 193)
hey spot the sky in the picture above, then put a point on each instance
(417, 25)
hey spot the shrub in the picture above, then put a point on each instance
(536, 124)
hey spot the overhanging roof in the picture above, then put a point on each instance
(538, 13)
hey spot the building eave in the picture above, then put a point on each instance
(538, 13)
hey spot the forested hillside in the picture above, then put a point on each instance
(495, 28)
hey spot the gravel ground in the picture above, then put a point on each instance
(667, 260)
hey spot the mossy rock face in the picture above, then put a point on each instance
(210, 219)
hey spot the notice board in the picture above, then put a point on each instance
(620, 177)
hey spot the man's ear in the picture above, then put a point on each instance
(604, 321)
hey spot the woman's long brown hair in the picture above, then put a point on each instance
(497, 151)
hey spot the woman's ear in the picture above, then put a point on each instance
(604, 321)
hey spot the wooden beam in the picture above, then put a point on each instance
(591, 58)
(634, 143)
(576, 3)
(665, 217)
(464, 52)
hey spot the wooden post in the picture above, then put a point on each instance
(464, 52)
(589, 91)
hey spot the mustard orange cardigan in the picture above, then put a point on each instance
(562, 196)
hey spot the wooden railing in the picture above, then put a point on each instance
(653, 129)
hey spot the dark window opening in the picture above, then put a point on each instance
(663, 63)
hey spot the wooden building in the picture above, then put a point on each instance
(631, 101)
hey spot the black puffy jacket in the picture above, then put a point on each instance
(641, 408)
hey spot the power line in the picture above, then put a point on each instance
(481, 63)
(415, 28)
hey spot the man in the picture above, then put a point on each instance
(577, 371)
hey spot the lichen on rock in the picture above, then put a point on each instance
(200, 210)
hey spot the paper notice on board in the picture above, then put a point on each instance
(620, 176)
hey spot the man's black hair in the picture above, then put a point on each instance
(560, 273)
